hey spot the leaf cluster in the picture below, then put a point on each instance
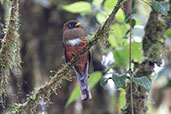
(120, 81)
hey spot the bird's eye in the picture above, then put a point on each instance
(70, 26)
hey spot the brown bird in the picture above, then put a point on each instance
(74, 40)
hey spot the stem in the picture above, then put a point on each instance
(130, 59)
(130, 37)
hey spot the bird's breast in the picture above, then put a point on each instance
(73, 42)
(75, 46)
(72, 51)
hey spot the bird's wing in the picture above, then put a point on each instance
(66, 59)
(87, 64)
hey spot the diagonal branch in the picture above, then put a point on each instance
(56, 80)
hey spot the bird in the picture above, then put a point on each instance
(74, 40)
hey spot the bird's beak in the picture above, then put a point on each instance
(78, 24)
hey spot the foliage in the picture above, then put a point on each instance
(77, 7)
(142, 81)
(1, 1)
(121, 54)
(122, 99)
(120, 81)
(168, 33)
(161, 7)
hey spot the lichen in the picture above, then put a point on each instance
(152, 50)
(9, 53)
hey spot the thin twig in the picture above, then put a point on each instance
(130, 59)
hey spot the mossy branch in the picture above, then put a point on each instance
(152, 50)
(7, 57)
(55, 82)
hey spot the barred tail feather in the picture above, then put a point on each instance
(84, 86)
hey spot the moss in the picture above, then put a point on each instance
(152, 50)
(9, 53)
(153, 36)
(153, 40)
(154, 53)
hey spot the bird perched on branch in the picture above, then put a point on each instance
(74, 41)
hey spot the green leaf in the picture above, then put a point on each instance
(127, 18)
(127, 32)
(161, 7)
(125, 37)
(93, 80)
(119, 80)
(122, 100)
(142, 81)
(168, 33)
(120, 16)
(133, 4)
(121, 55)
(109, 4)
(78, 7)
(113, 41)
(133, 23)
(97, 3)
(2, 1)
(104, 81)
(138, 21)
(33, 97)
(136, 51)
(117, 32)
(101, 17)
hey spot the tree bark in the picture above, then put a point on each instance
(152, 50)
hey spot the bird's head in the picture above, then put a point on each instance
(71, 24)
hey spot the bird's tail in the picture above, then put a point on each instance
(84, 86)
